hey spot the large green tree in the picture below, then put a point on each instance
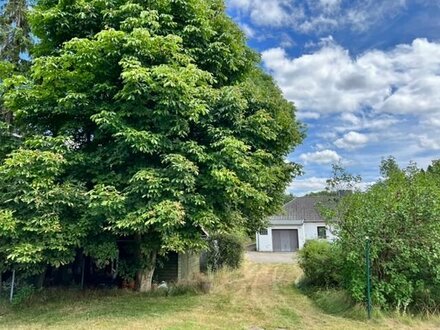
(173, 127)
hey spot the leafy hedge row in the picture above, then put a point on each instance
(401, 216)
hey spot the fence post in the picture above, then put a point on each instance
(11, 295)
(368, 274)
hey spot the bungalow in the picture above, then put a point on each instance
(299, 222)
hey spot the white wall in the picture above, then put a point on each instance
(311, 231)
(307, 231)
(264, 242)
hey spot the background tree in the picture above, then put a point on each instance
(174, 128)
(15, 41)
(342, 181)
(288, 197)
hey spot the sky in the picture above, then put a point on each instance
(364, 77)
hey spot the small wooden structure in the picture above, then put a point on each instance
(175, 267)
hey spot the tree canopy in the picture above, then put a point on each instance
(145, 120)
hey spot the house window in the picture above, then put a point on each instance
(263, 232)
(322, 232)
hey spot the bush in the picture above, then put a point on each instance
(400, 216)
(321, 262)
(23, 294)
(225, 250)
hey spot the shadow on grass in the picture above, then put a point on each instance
(333, 301)
(53, 306)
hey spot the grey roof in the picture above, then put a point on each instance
(301, 209)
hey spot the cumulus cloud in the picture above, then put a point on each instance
(350, 118)
(404, 80)
(375, 122)
(301, 186)
(321, 157)
(312, 16)
(352, 140)
(274, 13)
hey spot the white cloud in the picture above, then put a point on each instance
(405, 80)
(308, 115)
(248, 31)
(429, 143)
(350, 118)
(321, 157)
(352, 140)
(330, 5)
(318, 24)
(268, 12)
(433, 121)
(363, 14)
(301, 186)
(326, 81)
(375, 122)
(322, 15)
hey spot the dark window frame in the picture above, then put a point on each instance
(319, 231)
(264, 232)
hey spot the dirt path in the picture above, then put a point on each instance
(272, 257)
(263, 296)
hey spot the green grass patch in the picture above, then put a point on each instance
(53, 307)
(333, 301)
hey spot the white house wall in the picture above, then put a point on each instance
(311, 230)
(307, 231)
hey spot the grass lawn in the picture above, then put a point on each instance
(257, 296)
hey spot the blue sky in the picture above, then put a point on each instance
(364, 75)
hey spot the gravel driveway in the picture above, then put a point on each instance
(272, 257)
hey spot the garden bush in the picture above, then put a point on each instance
(321, 262)
(400, 215)
(225, 250)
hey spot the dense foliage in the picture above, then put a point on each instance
(153, 122)
(225, 250)
(321, 262)
(401, 216)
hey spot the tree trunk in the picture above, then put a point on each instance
(40, 279)
(144, 276)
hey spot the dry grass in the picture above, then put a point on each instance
(257, 296)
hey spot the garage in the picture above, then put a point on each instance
(285, 240)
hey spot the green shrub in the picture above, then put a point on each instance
(426, 299)
(400, 216)
(225, 250)
(23, 294)
(321, 262)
